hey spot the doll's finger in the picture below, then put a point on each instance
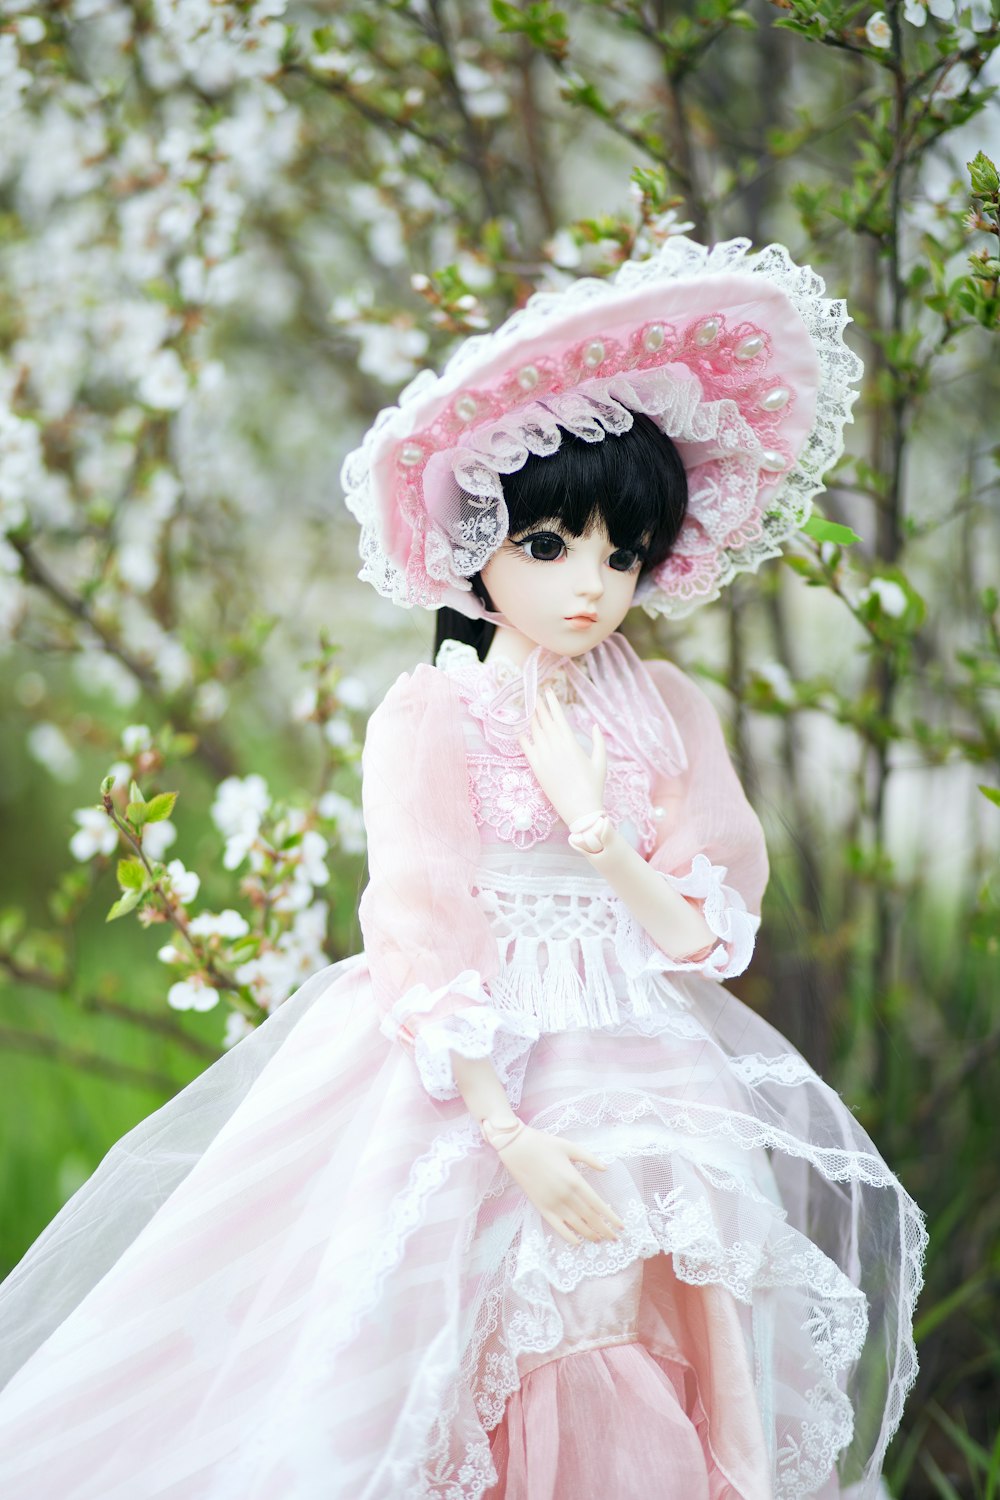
(598, 1216)
(558, 715)
(541, 709)
(579, 1153)
(561, 1229)
(579, 1225)
(604, 1210)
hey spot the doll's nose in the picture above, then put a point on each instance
(588, 583)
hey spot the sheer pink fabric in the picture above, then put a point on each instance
(430, 947)
(420, 924)
(709, 832)
(707, 811)
(603, 1423)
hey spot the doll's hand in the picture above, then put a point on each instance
(572, 780)
(542, 1165)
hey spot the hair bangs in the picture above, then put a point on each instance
(633, 483)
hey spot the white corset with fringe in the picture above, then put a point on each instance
(567, 944)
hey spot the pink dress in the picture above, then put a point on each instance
(308, 1278)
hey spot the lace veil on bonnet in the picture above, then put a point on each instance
(737, 356)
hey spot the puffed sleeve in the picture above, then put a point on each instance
(430, 950)
(710, 845)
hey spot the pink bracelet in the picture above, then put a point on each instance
(591, 834)
(499, 1136)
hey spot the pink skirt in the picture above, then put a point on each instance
(611, 1417)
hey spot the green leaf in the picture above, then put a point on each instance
(160, 807)
(131, 874)
(992, 794)
(135, 793)
(822, 530)
(123, 905)
(984, 176)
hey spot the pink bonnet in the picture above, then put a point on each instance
(737, 356)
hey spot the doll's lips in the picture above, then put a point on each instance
(581, 619)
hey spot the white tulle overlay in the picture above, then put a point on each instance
(308, 1276)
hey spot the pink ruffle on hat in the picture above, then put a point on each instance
(737, 356)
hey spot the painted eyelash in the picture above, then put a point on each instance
(520, 543)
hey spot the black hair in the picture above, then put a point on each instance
(634, 483)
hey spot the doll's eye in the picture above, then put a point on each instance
(625, 559)
(543, 546)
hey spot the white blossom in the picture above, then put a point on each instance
(312, 851)
(31, 29)
(237, 1027)
(775, 674)
(271, 977)
(185, 884)
(352, 692)
(211, 700)
(484, 98)
(121, 770)
(294, 894)
(891, 596)
(563, 250)
(338, 733)
(95, 835)
(136, 738)
(389, 351)
(165, 384)
(99, 672)
(335, 64)
(194, 993)
(347, 816)
(14, 80)
(22, 465)
(227, 924)
(157, 838)
(304, 703)
(47, 744)
(168, 954)
(878, 31)
(239, 803)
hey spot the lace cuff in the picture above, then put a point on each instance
(477, 1030)
(725, 913)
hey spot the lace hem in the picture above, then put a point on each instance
(832, 1330)
(474, 1031)
(725, 913)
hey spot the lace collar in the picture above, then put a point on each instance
(610, 682)
(457, 658)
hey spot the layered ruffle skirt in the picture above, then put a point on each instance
(306, 1279)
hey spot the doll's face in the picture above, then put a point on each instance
(564, 592)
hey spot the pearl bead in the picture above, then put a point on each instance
(410, 454)
(654, 337)
(749, 348)
(708, 332)
(774, 400)
(772, 459)
(594, 353)
(659, 812)
(527, 378)
(522, 818)
(465, 408)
